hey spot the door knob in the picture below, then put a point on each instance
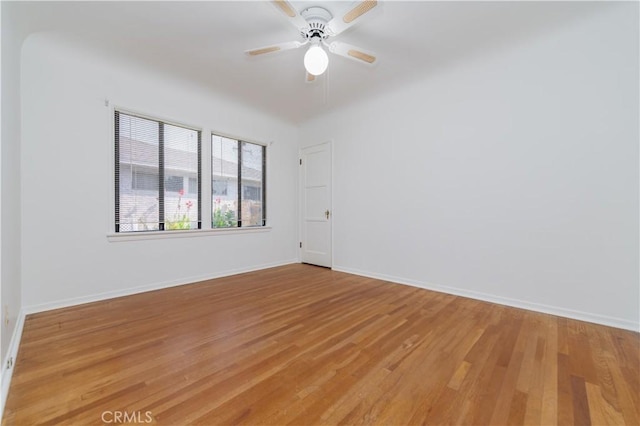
(326, 213)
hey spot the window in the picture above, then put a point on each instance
(238, 176)
(153, 159)
(145, 181)
(252, 193)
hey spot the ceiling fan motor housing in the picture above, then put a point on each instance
(317, 18)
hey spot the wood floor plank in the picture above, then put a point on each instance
(549, 414)
(581, 411)
(518, 408)
(300, 344)
(506, 397)
(565, 391)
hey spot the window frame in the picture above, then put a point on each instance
(161, 171)
(204, 183)
(240, 189)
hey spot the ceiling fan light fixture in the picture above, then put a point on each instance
(316, 60)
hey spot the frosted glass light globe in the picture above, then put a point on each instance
(316, 60)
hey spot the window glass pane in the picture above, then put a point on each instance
(224, 182)
(180, 167)
(138, 179)
(252, 185)
(156, 163)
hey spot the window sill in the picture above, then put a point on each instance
(159, 235)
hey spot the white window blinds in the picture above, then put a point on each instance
(157, 175)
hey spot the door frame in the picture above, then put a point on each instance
(329, 144)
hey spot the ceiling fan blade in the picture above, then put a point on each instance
(352, 52)
(274, 48)
(355, 11)
(291, 13)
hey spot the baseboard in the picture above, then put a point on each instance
(65, 303)
(515, 303)
(12, 352)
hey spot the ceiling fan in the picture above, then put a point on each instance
(316, 26)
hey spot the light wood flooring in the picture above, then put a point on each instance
(305, 345)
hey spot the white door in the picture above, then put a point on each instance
(315, 171)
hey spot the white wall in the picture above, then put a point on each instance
(10, 169)
(67, 176)
(512, 177)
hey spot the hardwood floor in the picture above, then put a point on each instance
(306, 345)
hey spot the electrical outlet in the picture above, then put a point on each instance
(9, 363)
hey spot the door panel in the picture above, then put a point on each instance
(316, 205)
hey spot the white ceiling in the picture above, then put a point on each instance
(204, 42)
